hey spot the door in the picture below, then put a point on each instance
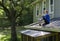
(51, 7)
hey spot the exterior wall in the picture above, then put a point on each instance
(47, 5)
(34, 14)
(35, 17)
(57, 8)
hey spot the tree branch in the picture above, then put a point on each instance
(20, 11)
(6, 10)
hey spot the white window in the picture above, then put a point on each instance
(51, 8)
(43, 6)
(37, 10)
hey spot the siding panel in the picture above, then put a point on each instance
(57, 8)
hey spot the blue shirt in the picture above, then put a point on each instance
(47, 18)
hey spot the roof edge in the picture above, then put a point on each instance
(35, 2)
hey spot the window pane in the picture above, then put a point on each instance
(44, 5)
(51, 2)
(37, 12)
(51, 8)
(37, 9)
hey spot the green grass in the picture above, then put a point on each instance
(5, 35)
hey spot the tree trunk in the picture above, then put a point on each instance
(13, 31)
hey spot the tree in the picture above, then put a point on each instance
(14, 10)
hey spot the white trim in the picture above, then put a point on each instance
(53, 7)
(49, 6)
(36, 11)
(51, 13)
(42, 7)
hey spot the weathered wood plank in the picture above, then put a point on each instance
(54, 27)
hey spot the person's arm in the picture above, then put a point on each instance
(44, 17)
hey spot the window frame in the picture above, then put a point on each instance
(43, 6)
(51, 9)
(37, 10)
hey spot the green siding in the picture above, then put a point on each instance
(35, 18)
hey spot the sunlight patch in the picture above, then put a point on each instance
(2, 35)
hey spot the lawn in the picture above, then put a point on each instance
(5, 34)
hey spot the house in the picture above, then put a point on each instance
(52, 6)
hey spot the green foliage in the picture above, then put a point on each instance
(1, 13)
(17, 12)
(4, 22)
(5, 35)
(7, 38)
(26, 16)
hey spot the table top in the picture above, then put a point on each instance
(34, 33)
